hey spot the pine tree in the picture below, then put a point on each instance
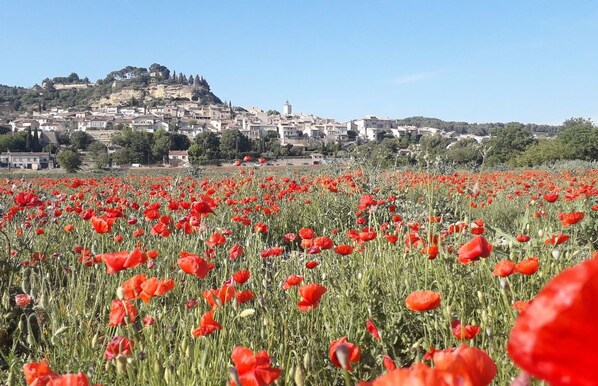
(35, 146)
(190, 80)
(28, 140)
(197, 81)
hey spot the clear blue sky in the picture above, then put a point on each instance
(476, 60)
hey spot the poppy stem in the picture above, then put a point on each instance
(346, 377)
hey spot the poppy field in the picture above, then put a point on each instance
(326, 277)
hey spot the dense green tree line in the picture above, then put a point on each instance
(513, 145)
(474, 128)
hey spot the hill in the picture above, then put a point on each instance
(130, 85)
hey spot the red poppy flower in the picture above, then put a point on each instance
(504, 268)
(313, 250)
(22, 300)
(423, 300)
(290, 237)
(431, 252)
(477, 227)
(551, 197)
(343, 249)
(523, 238)
(310, 296)
(311, 264)
(261, 227)
(102, 225)
(241, 276)
(548, 339)
(307, 243)
(388, 362)
(307, 233)
(118, 345)
(391, 238)
(323, 242)
(556, 239)
(160, 229)
(235, 252)
(253, 369)
(39, 372)
(215, 239)
(117, 261)
(121, 309)
(291, 281)
(274, 251)
(203, 206)
(571, 218)
(418, 374)
(461, 331)
(474, 249)
(244, 296)
(471, 364)
(343, 353)
(220, 296)
(148, 321)
(193, 264)
(528, 266)
(520, 305)
(366, 201)
(372, 329)
(367, 235)
(79, 379)
(132, 287)
(207, 325)
(154, 287)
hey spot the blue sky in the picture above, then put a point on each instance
(477, 60)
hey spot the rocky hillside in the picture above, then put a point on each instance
(128, 86)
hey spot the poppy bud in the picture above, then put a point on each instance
(342, 354)
(556, 253)
(167, 375)
(60, 330)
(246, 313)
(299, 377)
(120, 293)
(121, 363)
(306, 360)
(158, 367)
(25, 284)
(233, 374)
